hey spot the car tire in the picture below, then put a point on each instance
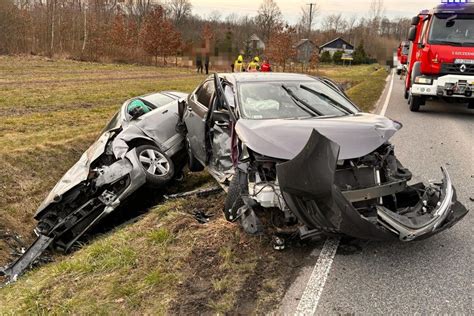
(415, 103)
(158, 167)
(234, 200)
(193, 164)
(406, 94)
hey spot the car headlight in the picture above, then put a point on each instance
(423, 80)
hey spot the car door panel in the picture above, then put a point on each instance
(160, 123)
(220, 135)
(195, 120)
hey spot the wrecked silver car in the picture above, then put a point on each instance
(140, 145)
(296, 146)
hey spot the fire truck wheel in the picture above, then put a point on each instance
(415, 102)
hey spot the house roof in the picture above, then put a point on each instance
(335, 40)
(254, 37)
(302, 41)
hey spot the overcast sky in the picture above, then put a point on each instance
(292, 8)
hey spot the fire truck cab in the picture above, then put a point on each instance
(402, 56)
(441, 57)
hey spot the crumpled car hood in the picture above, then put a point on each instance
(77, 173)
(357, 135)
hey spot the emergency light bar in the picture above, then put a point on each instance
(454, 1)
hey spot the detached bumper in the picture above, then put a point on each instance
(455, 86)
(307, 185)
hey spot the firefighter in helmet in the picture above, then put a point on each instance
(239, 64)
(254, 65)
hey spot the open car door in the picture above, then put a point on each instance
(220, 124)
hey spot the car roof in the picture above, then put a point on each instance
(241, 77)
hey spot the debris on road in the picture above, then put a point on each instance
(197, 192)
(201, 216)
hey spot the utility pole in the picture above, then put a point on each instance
(311, 5)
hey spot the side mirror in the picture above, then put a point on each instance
(415, 20)
(412, 34)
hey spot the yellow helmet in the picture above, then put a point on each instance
(256, 59)
(240, 58)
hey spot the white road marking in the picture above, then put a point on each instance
(387, 99)
(310, 298)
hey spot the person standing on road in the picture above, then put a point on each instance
(199, 63)
(239, 64)
(206, 64)
(254, 65)
(266, 67)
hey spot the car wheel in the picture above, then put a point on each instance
(159, 168)
(193, 164)
(406, 94)
(415, 102)
(234, 200)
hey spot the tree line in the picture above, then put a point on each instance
(150, 31)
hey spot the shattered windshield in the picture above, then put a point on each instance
(289, 100)
(454, 29)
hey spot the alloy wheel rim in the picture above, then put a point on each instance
(154, 162)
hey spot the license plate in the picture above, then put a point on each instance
(464, 61)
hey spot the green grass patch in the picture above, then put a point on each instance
(367, 93)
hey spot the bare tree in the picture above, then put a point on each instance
(334, 24)
(91, 29)
(232, 19)
(215, 16)
(269, 16)
(179, 10)
(377, 9)
(84, 41)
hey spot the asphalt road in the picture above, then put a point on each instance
(432, 276)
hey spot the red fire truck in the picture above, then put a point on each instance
(402, 56)
(441, 57)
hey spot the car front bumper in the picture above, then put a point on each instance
(307, 186)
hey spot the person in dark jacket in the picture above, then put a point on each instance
(199, 63)
(206, 64)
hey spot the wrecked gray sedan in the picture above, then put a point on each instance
(140, 145)
(296, 146)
